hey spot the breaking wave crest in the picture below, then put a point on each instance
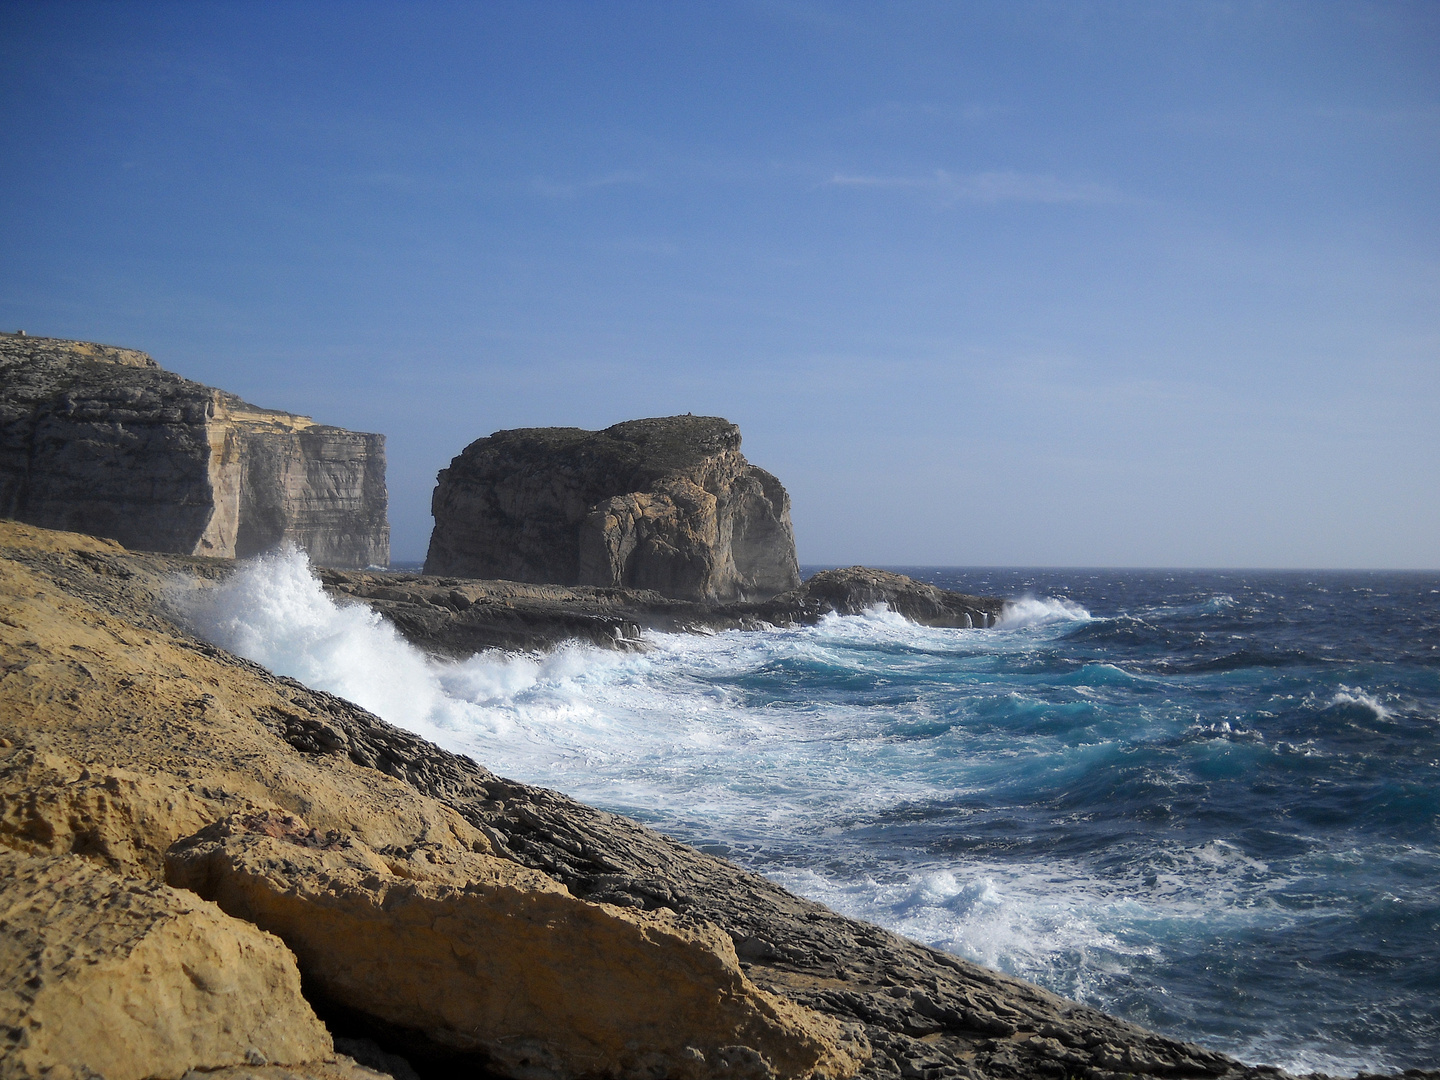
(1041, 611)
(1352, 695)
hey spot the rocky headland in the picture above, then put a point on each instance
(102, 440)
(206, 867)
(667, 505)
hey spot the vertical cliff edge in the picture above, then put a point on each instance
(668, 503)
(102, 440)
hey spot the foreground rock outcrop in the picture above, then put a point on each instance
(485, 955)
(130, 750)
(101, 440)
(667, 504)
(126, 978)
(127, 745)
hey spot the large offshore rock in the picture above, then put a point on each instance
(102, 440)
(668, 504)
(493, 959)
(123, 978)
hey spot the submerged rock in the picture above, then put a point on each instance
(102, 440)
(667, 504)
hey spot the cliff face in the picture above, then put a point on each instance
(102, 440)
(668, 504)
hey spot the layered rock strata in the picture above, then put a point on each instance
(101, 440)
(667, 504)
(127, 744)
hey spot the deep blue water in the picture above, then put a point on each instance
(1206, 801)
(1245, 766)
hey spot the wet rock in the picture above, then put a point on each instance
(457, 617)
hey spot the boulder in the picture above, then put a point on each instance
(491, 959)
(104, 975)
(102, 440)
(668, 504)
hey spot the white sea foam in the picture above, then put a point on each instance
(664, 729)
(1041, 611)
(1354, 695)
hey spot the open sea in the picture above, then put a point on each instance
(1206, 801)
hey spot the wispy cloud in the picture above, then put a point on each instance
(988, 187)
(568, 190)
(922, 112)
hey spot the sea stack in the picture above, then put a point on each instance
(668, 503)
(102, 440)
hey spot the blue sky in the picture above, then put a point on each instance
(1129, 284)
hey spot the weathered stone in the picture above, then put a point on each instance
(121, 978)
(50, 804)
(102, 440)
(487, 957)
(668, 504)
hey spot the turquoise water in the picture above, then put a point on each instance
(1208, 802)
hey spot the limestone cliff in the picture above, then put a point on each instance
(102, 440)
(668, 504)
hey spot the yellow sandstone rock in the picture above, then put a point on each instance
(484, 955)
(104, 975)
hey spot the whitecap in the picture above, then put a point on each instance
(1041, 611)
(1354, 695)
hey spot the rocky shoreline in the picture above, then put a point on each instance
(456, 617)
(151, 775)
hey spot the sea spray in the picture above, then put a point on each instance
(1204, 802)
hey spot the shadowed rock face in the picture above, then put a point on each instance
(102, 440)
(668, 504)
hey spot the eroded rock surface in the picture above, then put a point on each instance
(123, 978)
(666, 504)
(458, 616)
(487, 956)
(101, 440)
